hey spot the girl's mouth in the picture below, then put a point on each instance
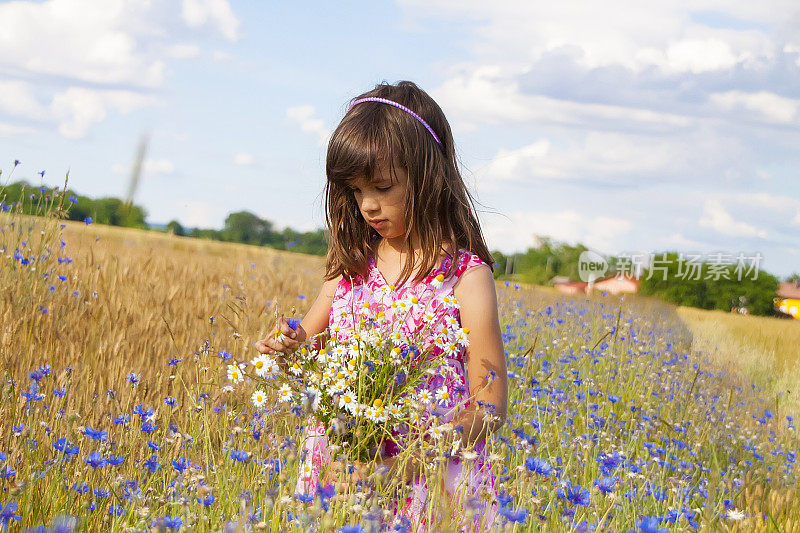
(377, 223)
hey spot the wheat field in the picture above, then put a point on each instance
(116, 413)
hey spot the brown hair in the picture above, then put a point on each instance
(439, 208)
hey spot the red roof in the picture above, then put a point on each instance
(788, 289)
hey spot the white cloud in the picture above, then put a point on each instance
(77, 109)
(80, 40)
(771, 106)
(243, 159)
(9, 130)
(158, 167)
(602, 158)
(490, 95)
(183, 51)
(151, 167)
(596, 231)
(218, 13)
(303, 116)
(17, 98)
(716, 217)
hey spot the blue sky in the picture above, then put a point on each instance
(630, 128)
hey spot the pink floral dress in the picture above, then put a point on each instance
(374, 289)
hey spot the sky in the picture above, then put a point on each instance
(630, 127)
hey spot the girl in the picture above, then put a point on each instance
(397, 207)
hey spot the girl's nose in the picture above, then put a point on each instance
(369, 203)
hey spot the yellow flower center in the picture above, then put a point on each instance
(466, 330)
(414, 300)
(378, 402)
(259, 364)
(347, 399)
(440, 278)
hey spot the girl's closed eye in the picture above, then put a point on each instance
(384, 189)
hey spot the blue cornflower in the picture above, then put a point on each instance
(649, 524)
(173, 361)
(100, 493)
(224, 355)
(8, 513)
(65, 446)
(152, 464)
(613, 399)
(240, 456)
(115, 460)
(326, 492)
(116, 510)
(358, 528)
(62, 278)
(153, 445)
(81, 488)
(122, 419)
(134, 378)
(606, 484)
(95, 460)
(142, 412)
(540, 466)
(171, 522)
(305, 498)
(95, 434)
(88, 220)
(207, 501)
(60, 393)
(73, 199)
(575, 494)
(148, 427)
(513, 515)
(169, 400)
(181, 464)
(32, 396)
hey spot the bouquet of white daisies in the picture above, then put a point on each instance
(365, 382)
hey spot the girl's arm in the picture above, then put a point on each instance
(486, 361)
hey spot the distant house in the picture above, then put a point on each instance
(618, 284)
(788, 298)
(624, 283)
(571, 287)
(789, 289)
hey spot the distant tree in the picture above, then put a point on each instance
(243, 226)
(174, 227)
(794, 278)
(710, 286)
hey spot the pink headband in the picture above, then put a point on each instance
(399, 106)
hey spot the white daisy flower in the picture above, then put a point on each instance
(296, 369)
(371, 413)
(425, 396)
(258, 398)
(461, 337)
(443, 395)
(235, 374)
(394, 411)
(435, 432)
(347, 400)
(437, 281)
(260, 362)
(285, 393)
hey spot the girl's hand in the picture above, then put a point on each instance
(282, 340)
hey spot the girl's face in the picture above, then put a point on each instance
(382, 202)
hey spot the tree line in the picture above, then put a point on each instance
(711, 287)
